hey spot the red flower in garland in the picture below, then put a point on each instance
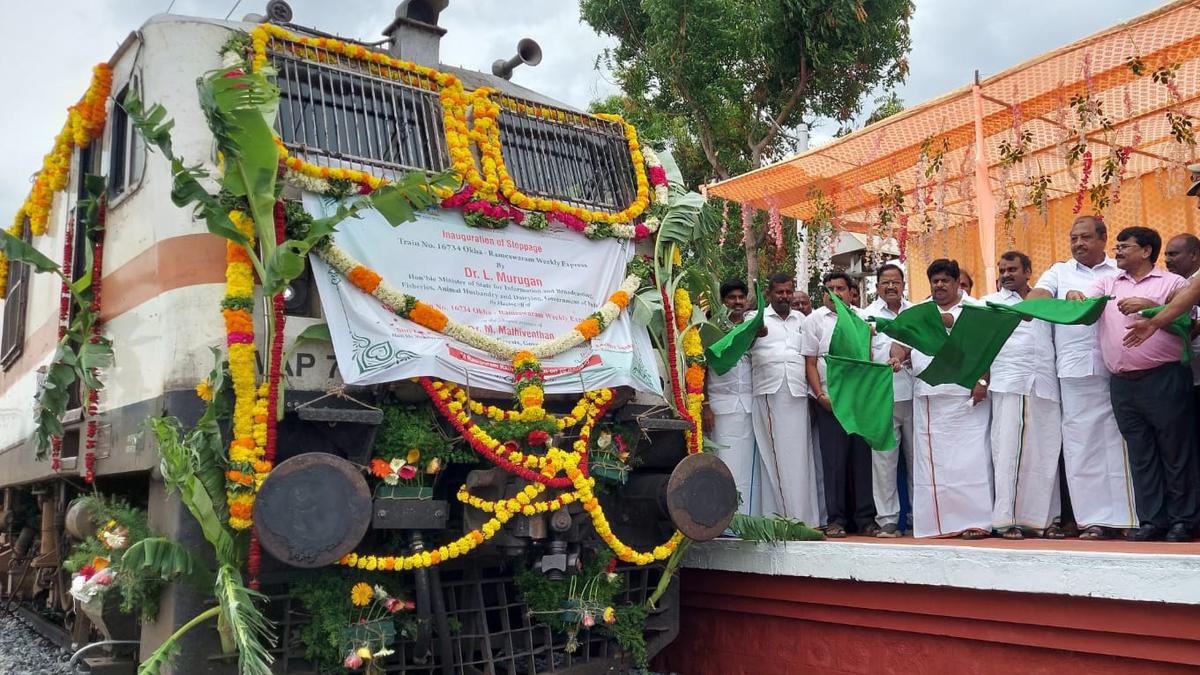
(537, 437)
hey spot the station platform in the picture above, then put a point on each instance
(865, 605)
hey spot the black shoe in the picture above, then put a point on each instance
(1179, 532)
(1146, 532)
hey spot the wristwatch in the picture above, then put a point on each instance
(983, 382)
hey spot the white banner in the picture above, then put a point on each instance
(517, 285)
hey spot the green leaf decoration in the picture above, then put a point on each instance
(251, 632)
(772, 530)
(21, 251)
(318, 332)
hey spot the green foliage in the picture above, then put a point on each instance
(18, 250)
(558, 603)
(138, 585)
(772, 530)
(742, 72)
(630, 632)
(406, 427)
(325, 595)
(79, 354)
(517, 430)
(725, 83)
(243, 622)
(192, 463)
(885, 106)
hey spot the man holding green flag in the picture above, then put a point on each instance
(1026, 434)
(729, 399)
(952, 478)
(833, 331)
(1150, 390)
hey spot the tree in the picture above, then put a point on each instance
(885, 107)
(730, 79)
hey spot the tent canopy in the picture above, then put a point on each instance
(1040, 97)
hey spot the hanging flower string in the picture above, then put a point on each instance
(523, 503)
(85, 122)
(247, 447)
(64, 315)
(494, 199)
(93, 395)
(452, 404)
(269, 399)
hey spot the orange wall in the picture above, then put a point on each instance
(733, 623)
(1156, 200)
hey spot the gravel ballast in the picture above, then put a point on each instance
(24, 652)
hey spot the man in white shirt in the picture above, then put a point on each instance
(1094, 458)
(885, 463)
(1026, 420)
(1182, 256)
(727, 407)
(780, 414)
(952, 465)
(845, 458)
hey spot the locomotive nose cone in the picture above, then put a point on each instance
(701, 496)
(312, 510)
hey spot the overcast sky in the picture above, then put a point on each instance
(52, 46)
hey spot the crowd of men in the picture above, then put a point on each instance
(1076, 430)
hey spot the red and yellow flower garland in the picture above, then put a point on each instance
(85, 122)
(64, 314)
(93, 395)
(249, 410)
(490, 179)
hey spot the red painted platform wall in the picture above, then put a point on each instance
(734, 623)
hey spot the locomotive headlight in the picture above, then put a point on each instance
(295, 296)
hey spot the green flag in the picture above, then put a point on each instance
(1181, 327)
(860, 391)
(851, 335)
(965, 354)
(1066, 312)
(724, 354)
(977, 337)
(920, 327)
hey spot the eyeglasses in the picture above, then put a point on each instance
(1126, 247)
(891, 283)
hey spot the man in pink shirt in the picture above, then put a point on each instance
(1150, 390)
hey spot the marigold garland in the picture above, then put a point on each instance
(85, 122)
(249, 410)
(430, 317)
(492, 192)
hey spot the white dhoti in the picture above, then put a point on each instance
(782, 432)
(735, 433)
(1026, 440)
(885, 465)
(1097, 468)
(952, 466)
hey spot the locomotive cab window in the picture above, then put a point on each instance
(12, 323)
(585, 162)
(336, 114)
(127, 150)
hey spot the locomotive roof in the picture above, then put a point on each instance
(471, 79)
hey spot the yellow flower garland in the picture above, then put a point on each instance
(85, 122)
(487, 114)
(490, 178)
(450, 91)
(245, 472)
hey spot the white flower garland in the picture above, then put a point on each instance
(395, 299)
